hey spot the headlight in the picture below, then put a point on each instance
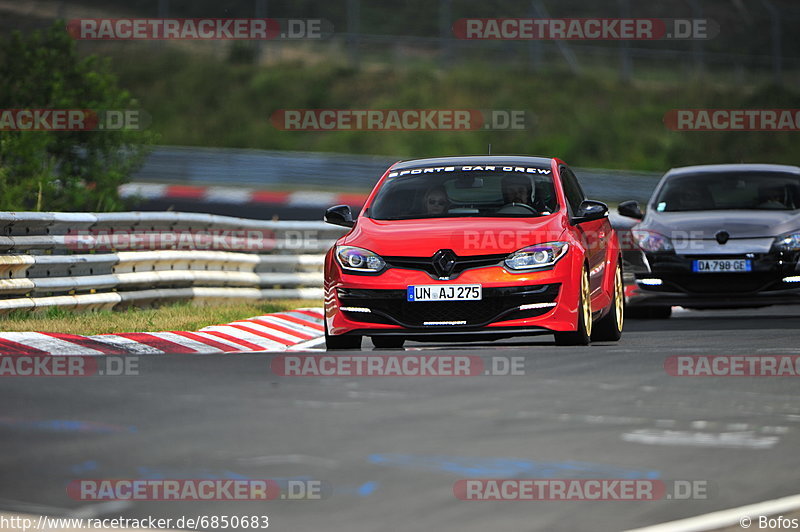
(651, 241)
(538, 256)
(358, 260)
(788, 242)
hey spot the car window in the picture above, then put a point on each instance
(465, 192)
(572, 189)
(759, 191)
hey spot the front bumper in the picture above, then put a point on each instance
(763, 285)
(512, 304)
(498, 304)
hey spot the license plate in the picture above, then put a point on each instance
(445, 292)
(721, 265)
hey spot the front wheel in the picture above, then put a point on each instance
(341, 342)
(388, 342)
(583, 335)
(609, 327)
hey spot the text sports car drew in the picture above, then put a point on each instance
(481, 247)
(714, 236)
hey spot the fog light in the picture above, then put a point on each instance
(355, 309)
(651, 282)
(536, 305)
(792, 279)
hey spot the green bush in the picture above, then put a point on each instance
(62, 170)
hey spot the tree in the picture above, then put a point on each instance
(62, 170)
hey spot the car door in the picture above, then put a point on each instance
(593, 234)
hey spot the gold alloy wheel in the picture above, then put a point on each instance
(586, 299)
(619, 298)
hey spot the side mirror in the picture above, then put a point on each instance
(630, 209)
(590, 210)
(340, 215)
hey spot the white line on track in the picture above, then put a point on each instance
(681, 438)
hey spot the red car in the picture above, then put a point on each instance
(471, 248)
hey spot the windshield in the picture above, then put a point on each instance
(759, 191)
(465, 191)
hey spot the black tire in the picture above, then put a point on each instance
(583, 335)
(648, 313)
(609, 327)
(335, 343)
(636, 313)
(660, 313)
(388, 342)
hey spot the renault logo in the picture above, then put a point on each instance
(444, 262)
(722, 237)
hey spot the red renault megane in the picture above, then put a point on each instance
(466, 248)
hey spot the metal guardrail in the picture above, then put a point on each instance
(117, 260)
(282, 170)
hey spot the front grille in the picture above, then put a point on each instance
(462, 264)
(391, 306)
(721, 283)
(676, 272)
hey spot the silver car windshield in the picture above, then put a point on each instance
(740, 191)
(520, 192)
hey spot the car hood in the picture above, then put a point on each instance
(738, 224)
(465, 236)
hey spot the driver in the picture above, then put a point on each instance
(772, 199)
(436, 201)
(517, 189)
(694, 199)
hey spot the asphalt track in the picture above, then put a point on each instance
(392, 448)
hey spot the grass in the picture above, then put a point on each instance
(178, 317)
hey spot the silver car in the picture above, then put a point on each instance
(713, 236)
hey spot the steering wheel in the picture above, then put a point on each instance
(514, 204)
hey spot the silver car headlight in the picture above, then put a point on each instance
(652, 241)
(356, 259)
(790, 242)
(538, 256)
